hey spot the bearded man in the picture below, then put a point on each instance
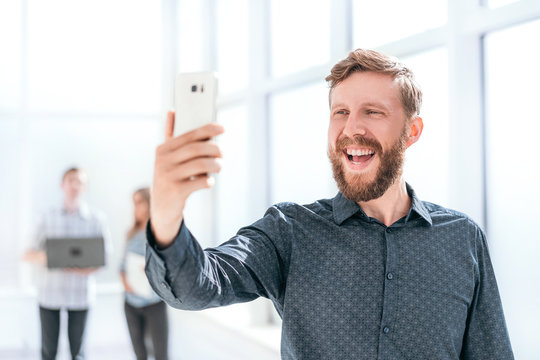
(374, 273)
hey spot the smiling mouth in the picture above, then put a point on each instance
(359, 156)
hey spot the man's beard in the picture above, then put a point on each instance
(358, 188)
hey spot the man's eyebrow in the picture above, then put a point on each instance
(376, 104)
(366, 104)
(338, 105)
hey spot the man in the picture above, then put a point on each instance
(70, 289)
(373, 273)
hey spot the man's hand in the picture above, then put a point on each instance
(182, 166)
(35, 256)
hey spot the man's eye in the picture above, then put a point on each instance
(341, 112)
(373, 112)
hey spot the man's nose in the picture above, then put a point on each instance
(354, 126)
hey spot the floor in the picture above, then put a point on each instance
(193, 335)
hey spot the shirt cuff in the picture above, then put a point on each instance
(161, 263)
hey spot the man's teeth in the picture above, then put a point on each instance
(359, 152)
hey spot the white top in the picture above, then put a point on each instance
(58, 288)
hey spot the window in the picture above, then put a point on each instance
(430, 155)
(81, 89)
(232, 45)
(98, 65)
(297, 45)
(191, 34)
(498, 3)
(379, 22)
(512, 128)
(300, 169)
(233, 181)
(10, 205)
(11, 50)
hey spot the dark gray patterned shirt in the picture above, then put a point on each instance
(347, 286)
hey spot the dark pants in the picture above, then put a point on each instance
(50, 329)
(154, 318)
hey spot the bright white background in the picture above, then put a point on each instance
(89, 82)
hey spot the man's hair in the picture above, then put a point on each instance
(70, 170)
(362, 60)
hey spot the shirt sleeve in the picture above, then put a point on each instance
(251, 264)
(486, 335)
(38, 240)
(107, 238)
(122, 266)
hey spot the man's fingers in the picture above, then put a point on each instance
(200, 134)
(194, 168)
(169, 126)
(198, 182)
(193, 151)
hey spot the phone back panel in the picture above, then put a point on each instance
(195, 101)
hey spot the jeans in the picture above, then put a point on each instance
(50, 329)
(154, 318)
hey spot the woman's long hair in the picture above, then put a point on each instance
(145, 194)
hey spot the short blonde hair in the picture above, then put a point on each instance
(362, 60)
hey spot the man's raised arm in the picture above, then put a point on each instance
(182, 166)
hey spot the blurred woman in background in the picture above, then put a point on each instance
(144, 309)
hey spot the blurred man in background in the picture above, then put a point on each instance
(69, 289)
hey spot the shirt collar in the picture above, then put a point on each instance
(344, 208)
(83, 211)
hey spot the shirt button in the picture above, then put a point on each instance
(386, 330)
(390, 276)
(388, 230)
(164, 284)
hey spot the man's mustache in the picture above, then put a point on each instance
(343, 142)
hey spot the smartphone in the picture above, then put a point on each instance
(194, 100)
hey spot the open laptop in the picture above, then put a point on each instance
(76, 252)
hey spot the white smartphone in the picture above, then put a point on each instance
(194, 100)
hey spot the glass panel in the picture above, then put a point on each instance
(233, 180)
(379, 22)
(299, 45)
(498, 3)
(94, 56)
(513, 175)
(232, 42)
(191, 36)
(427, 161)
(117, 164)
(11, 50)
(300, 169)
(11, 239)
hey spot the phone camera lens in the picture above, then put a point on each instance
(193, 88)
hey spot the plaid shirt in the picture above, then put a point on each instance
(65, 289)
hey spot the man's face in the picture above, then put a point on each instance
(74, 184)
(367, 135)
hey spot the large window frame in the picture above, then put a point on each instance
(462, 36)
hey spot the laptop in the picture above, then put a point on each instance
(76, 252)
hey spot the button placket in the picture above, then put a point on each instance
(390, 287)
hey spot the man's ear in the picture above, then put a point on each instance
(415, 130)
